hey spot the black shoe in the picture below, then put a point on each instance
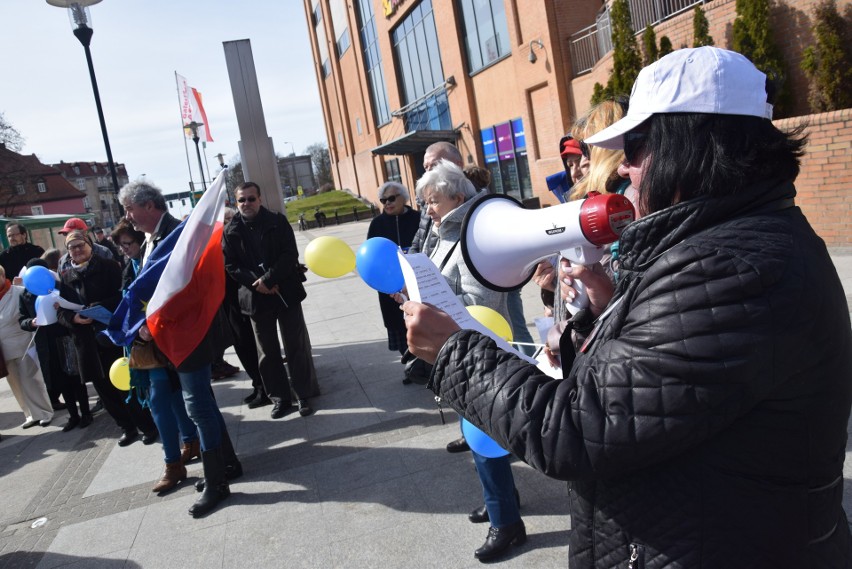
(280, 408)
(58, 406)
(98, 408)
(251, 396)
(458, 445)
(72, 423)
(150, 438)
(260, 401)
(406, 380)
(233, 470)
(304, 408)
(499, 540)
(216, 486)
(85, 421)
(128, 438)
(480, 514)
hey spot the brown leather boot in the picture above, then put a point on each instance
(190, 451)
(174, 473)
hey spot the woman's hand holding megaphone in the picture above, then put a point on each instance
(428, 329)
(598, 285)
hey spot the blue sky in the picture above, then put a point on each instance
(136, 48)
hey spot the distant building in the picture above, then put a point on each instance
(295, 171)
(28, 187)
(95, 180)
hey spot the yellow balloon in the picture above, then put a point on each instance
(119, 374)
(492, 320)
(329, 257)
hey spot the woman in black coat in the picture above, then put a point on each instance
(703, 423)
(96, 281)
(398, 222)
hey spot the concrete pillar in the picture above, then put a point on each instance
(256, 151)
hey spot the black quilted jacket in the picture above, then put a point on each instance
(704, 423)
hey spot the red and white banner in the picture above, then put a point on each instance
(192, 285)
(192, 109)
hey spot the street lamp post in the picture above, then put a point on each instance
(222, 166)
(78, 10)
(193, 128)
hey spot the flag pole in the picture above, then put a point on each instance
(204, 149)
(185, 149)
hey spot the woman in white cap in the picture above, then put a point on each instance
(703, 421)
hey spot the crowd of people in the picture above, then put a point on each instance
(171, 403)
(701, 416)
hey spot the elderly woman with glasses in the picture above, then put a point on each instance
(398, 222)
(448, 196)
(95, 281)
(163, 394)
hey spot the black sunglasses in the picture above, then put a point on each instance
(633, 144)
(250, 199)
(389, 199)
(585, 150)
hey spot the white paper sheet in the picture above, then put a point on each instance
(426, 284)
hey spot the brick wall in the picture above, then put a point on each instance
(824, 184)
(792, 23)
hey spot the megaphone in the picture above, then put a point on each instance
(502, 242)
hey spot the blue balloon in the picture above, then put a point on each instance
(378, 265)
(39, 280)
(481, 443)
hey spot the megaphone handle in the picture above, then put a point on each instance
(581, 300)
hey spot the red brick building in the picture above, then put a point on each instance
(504, 80)
(28, 187)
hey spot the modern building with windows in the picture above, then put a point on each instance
(503, 79)
(491, 76)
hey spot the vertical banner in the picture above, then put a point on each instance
(192, 109)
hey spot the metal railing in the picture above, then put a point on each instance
(590, 44)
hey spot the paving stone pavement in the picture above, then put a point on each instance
(364, 482)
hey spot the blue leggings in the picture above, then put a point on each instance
(169, 413)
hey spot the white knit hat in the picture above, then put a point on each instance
(698, 80)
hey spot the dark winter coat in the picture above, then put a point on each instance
(276, 261)
(15, 258)
(400, 229)
(704, 423)
(97, 284)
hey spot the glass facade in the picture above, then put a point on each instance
(505, 149)
(373, 62)
(486, 32)
(418, 56)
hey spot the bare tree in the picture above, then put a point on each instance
(10, 136)
(321, 162)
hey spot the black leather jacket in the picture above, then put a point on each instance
(703, 424)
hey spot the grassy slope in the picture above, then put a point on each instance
(327, 202)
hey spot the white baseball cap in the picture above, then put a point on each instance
(697, 80)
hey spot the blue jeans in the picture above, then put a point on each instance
(498, 489)
(520, 333)
(169, 413)
(201, 406)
